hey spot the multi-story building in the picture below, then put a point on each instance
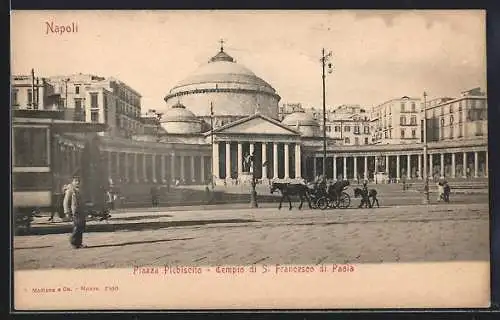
(348, 124)
(83, 97)
(288, 108)
(396, 121)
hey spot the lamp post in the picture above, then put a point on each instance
(324, 58)
(212, 142)
(426, 174)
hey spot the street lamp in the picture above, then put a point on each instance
(212, 142)
(426, 175)
(324, 58)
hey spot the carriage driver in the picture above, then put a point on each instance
(364, 199)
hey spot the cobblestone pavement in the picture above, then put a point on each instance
(444, 232)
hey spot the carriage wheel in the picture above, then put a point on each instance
(322, 203)
(344, 201)
(314, 203)
(332, 204)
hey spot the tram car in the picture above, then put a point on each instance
(45, 154)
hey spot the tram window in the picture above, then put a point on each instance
(30, 147)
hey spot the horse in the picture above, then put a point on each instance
(291, 189)
(372, 193)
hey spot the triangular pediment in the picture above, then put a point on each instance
(256, 124)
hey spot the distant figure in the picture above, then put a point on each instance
(154, 196)
(446, 191)
(403, 181)
(440, 191)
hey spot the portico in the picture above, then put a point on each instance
(277, 150)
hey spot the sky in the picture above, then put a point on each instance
(376, 55)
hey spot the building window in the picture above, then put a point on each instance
(356, 130)
(346, 140)
(93, 101)
(442, 128)
(402, 133)
(442, 110)
(413, 107)
(451, 132)
(460, 129)
(460, 106)
(30, 97)
(328, 129)
(413, 133)
(479, 129)
(366, 140)
(367, 130)
(77, 89)
(413, 120)
(13, 98)
(94, 116)
(460, 117)
(337, 128)
(451, 107)
(356, 140)
(402, 107)
(347, 129)
(451, 119)
(402, 120)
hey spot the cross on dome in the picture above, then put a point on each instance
(221, 45)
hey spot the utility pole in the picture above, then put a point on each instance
(212, 142)
(426, 174)
(324, 59)
(32, 102)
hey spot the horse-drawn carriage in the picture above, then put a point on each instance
(319, 196)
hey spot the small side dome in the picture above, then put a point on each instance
(179, 120)
(303, 122)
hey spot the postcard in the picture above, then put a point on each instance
(176, 160)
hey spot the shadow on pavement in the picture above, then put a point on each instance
(27, 248)
(111, 227)
(117, 217)
(135, 242)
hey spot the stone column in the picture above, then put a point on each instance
(163, 179)
(476, 164)
(345, 168)
(109, 165)
(215, 161)
(398, 169)
(298, 161)
(136, 172)
(287, 161)
(275, 160)
(193, 175)
(144, 167)
(202, 169)
(118, 173)
(228, 160)
(252, 150)
(355, 159)
(387, 165)
(264, 159)
(375, 170)
(464, 165)
(173, 174)
(153, 169)
(240, 159)
(420, 166)
(127, 168)
(315, 169)
(430, 174)
(334, 167)
(183, 172)
(408, 166)
(442, 166)
(366, 168)
(453, 169)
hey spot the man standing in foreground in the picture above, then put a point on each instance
(73, 205)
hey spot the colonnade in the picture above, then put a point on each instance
(145, 167)
(446, 164)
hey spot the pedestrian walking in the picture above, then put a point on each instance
(154, 196)
(440, 191)
(73, 206)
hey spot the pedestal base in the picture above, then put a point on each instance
(245, 178)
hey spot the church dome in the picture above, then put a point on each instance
(233, 89)
(303, 122)
(180, 120)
